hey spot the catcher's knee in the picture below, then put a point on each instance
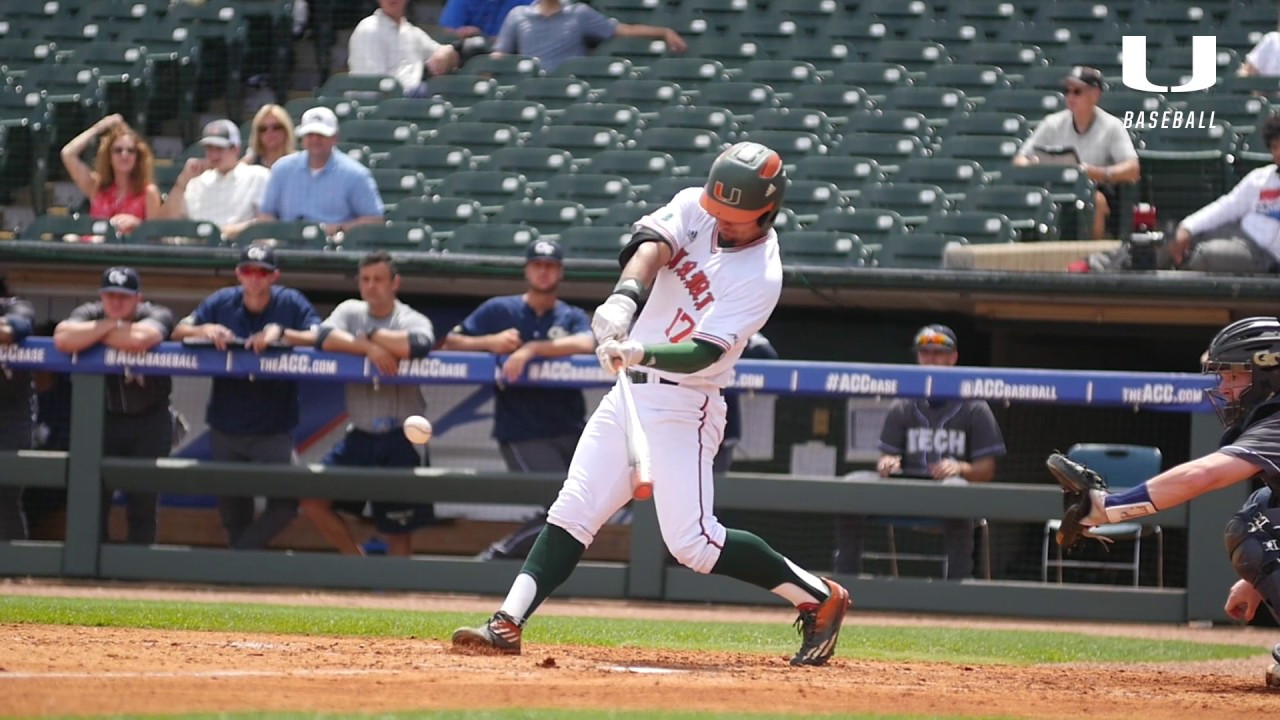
(1252, 538)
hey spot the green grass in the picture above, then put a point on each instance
(904, 644)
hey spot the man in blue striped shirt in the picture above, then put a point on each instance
(554, 32)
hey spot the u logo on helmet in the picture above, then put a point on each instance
(735, 194)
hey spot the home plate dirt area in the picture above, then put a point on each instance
(65, 670)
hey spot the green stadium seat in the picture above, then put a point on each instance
(526, 116)
(906, 122)
(1070, 188)
(397, 184)
(551, 217)
(1052, 41)
(917, 251)
(442, 213)
(126, 73)
(196, 233)
(504, 240)
(1244, 113)
(482, 138)
(462, 91)
(624, 214)
(537, 164)
(956, 35)
(734, 52)
(851, 174)
(935, 103)
(1084, 18)
(638, 50)
(912, 201)
(661, 191)
(838, 101)
(1012, 57)
(345, 110)
(1250, 155)
(639, 166)
(284, 235)
(894, 10)
(379, 136)
(742, 98)
(68, 228)
(720, 14)
(971, 79)
(18, 54)
(975, 226)
(987, 123)
(872, 225)
(796, 119)
(428, 114)
(860, 33)
(597, 70)
(504, 69)
(553, 93)
(828, 248)
(876, 78)
(888, 149)
(773, 33)
(914, 55)
(784, 76)
(491, 188)
(597, 242)
(364, 89)
(701, 117)
(390, 236)
(1106, 58)
(681, 143)
(791, 144)
(648, 96)
(810, 197)
(623, 118)
(431, 161)
(988, 150)
(955, 177)
(594, 191)
(1119, 102)
(582, 141)
(825, 54)
(1185, 169)
(1030, 209)
(1031, 104)
(690, 73)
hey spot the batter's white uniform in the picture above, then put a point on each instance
(712, 294)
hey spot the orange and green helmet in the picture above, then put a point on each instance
(746, 184)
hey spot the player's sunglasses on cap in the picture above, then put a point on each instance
(934, 337)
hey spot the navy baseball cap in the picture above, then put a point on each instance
(258, 256)
(934, 337)
(122, 280)
(544, 250)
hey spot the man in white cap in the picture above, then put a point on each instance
(219, 188)
(386, 43)
(321, 185)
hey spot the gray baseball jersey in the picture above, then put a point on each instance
(379, 408)
(924, 432)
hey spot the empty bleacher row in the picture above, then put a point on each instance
(897, 121)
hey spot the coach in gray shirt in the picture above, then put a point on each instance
(554, 32)
(1099, 139)
(386, 331)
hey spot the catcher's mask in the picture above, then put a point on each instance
(746, 184)
(1250, 345)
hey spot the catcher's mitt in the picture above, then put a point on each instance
(1076, 481)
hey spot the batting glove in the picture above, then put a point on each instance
(618, 355)
(612, 320)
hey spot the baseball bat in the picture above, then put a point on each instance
(637, 443)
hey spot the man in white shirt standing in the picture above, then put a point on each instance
(1240, 231)
(218, 188)
(1264, 58)
(386, 43)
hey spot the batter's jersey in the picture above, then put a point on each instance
(380, 408)
(924, 432)
(705, 292)
(1257, 442)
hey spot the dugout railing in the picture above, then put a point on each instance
(647, 575)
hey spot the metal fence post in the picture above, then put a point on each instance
(84, 478)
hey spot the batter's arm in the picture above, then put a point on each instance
(647, 258)
(684, 357)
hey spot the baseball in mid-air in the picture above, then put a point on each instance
(417, 429)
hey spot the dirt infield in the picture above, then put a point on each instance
(47, 670)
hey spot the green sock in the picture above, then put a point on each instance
(748, 558)
(551, 561)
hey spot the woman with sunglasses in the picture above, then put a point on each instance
(271, 137)
(121, 185)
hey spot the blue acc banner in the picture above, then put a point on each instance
(1170, 391)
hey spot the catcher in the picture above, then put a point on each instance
(1245, 356)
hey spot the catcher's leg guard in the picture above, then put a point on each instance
(1253, 542)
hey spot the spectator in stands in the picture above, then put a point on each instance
(1098, 138)
(121, 185)
(471, 18)
(758, 348)
(1264, 58)
(1240, 231)
(554, 32)
(386, 43)
(219, 188)
(537, 429)
(271, 137)
(16, 321)
(138, 422)
(386, 331)
(252, 420)
(320, 185)
(951, 441)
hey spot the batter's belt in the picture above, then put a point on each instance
(641, 378)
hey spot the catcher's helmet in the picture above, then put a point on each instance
(1252, 345)
(746, 184)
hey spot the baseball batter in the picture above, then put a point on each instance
(711, 257)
